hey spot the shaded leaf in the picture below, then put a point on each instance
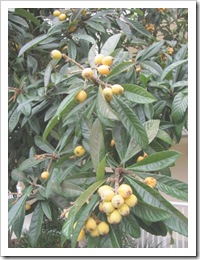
(110, 45)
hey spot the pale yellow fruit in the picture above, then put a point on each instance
(103, 69)
(124, 210)
(62, 17)
(108, 207)
(56, 55)
(67, 214)
(87, 73)
(56, 13)
(131, 201)
(81, 96)
(117, 201)
(125, 191)
(72, 28)
(107, 92)
(27, 206)
(150, 181)
(95, 233)
(79, 151)
(90, 224)
(138, 69)
(112, 142)
(81, 235)
(107, 195)
(103, 228)
(98, 59)
(108, 60)
(115, 217)
(84, 12)
(117, 89)
(104, 187)
(45, 175)
(101, 206)
(140, 158)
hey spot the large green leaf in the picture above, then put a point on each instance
(97, 148)
(43, 145)
(47, 73)
(17, 226)
(84, 37)
(138, 27)
(124, 66)
(68, 226)
(46, 209)
(138, 94)
(32, 43)
(13, 120)
(62, 109)
(130, 226)
(115, 236)
(170, 68)
(177, 222)
(18, 175)
(96, 26)
(72, 50)
(125, 28)
(131, 122)
(101, 169)
(110, 45)
(22, 12)
(36, 225)
(150, 213)
(162, 135)
(156, 161)
(149, 51)
(179, 106)
(152, 66)
(16, 210)
(67, 189)
(30, 163)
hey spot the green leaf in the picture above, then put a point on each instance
(124, 66)
(30, 163)
(84, 37)
(18, 175)
(18, 20)
(179, 106)
(62, 109)
(177, 222)
(13, 120)
(125, 28)
(32, 43)
(180, 84)
(46, 209)
(43, 145)
(149, 51)
(131, 122)
(32, 64)
(36, 225)
(86, 194)
(110, 45)
(101, 169)
(72, 50)
(137, 94)
(150, 213)
(138, 27)
(67, 189)
(156, 161)
(169, 68)
(47, 73)
(115, 236)
(17, 226)
(16, 210)
(96, 26)
(162, 135)
(97, 148)
(68, 226)
(159, 107)
(152, 66)
(104, 107)
(85, 213)
(22, 12)
(130, 226)
(91, 55)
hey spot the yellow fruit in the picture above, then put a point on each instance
(45, 175)
(112, 143)
(115, 217)
(103, 228)
(98, 59)
(67, 214)
(150, 181)
(108, 207)
(90, 224)
(125, 191)
(81, 96)
(81, 235)
(84, 12)
(56, 13)
(87, 73)
(62, 17)
(56, 55)
(27, 206)
(107, 92)
(124, 210)
(103, 69)
(117, 89)
(117, 201)
(108, 60)
(107, 195)
(138, 69)
(79, 151)
(104, 187)
(72, 28)
(95, 233)
(170, 51)
(140, 158)
(101, 206)
(131, 201)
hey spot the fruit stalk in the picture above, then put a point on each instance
(117, 175)
(66, 58)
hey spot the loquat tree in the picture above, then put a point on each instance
(97, 97)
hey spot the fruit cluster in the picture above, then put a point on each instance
(150, 27)
(58, 14)
(140, 158)
(170, 50)
(116, 204)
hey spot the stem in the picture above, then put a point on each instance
(73, 61)
(132, 174)
(117, 175)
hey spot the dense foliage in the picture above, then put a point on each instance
(47, 121)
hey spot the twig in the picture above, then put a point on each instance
(132, 174)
